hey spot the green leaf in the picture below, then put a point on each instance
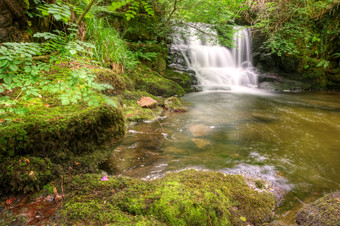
(13, 67)
(3, 63)
(72, 51)
(8, 80)
(243, 219)
(321, 63)
(326, 64)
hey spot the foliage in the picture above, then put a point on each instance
(298, 28)
(109, 47)
(21, 72)
(58, 10)
(220, 14)
(133, 7)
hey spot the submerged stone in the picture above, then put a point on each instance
(200, 143)
(199, 130)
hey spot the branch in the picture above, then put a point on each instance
(84, 12)
(45, 57)
(173, 10)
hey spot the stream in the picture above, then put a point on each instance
(291, 140)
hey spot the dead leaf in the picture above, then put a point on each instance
(27, 161)
(77, 163)
(47, 105)
(2, 120)
(10, 201)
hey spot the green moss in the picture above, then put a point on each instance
(119, 82)
(186, 198)
(174, 104)
(91, 201)
(135, 113)
(324, 211)
(27, 174)
(58, 139)
(182, 78)
(155, 84)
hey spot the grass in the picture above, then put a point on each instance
(110, 49)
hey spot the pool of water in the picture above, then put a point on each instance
(291, 139)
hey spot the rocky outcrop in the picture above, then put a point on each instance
(276, 83)
(324, 211)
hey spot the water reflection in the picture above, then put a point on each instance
(296, 136)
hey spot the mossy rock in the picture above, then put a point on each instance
(134, 112)
(324, 211)
(174, 104)
(186, 198)
(182, 78)
(158, 65)
(152, 82)
(55, 140)
(119, 82)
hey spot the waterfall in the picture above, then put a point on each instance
(217, 67)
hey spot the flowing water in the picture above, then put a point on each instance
(289, 139)
(217, 67)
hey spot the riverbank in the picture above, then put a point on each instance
(188, 197)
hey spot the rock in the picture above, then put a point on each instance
(147, 102)
(174, 104)
(200, 143)
(275, 82)
(324, 211)
(199, 130)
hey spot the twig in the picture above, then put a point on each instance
(157, 119)
(18, 95)
(62, 187)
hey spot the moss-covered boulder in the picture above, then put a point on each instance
(134, 112)
(152, 82)
(185, 198)
(173, 104)
(51, 140)
(182, 78)
(324, 211)
(118, 81)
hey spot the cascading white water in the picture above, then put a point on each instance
(217, 67)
